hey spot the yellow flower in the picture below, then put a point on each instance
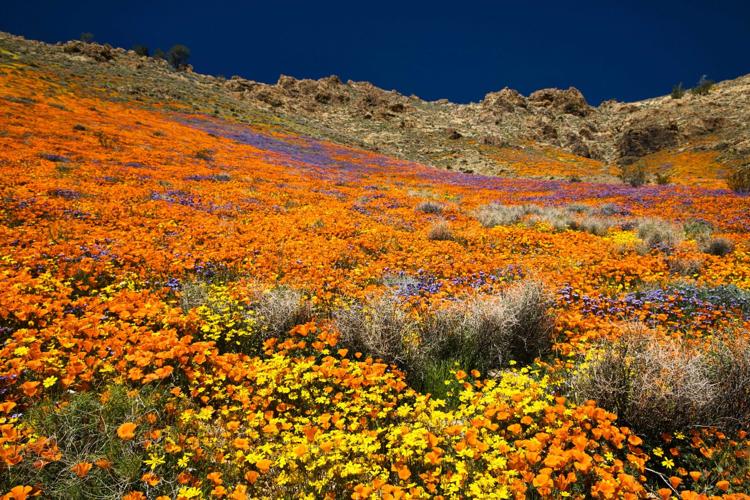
(668, 463)
(189, 492)
(154, 461)
(49, 381)
(21, 351)
(183, 461)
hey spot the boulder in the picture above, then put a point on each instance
(505, 100)
(99, 53)
(569, 101)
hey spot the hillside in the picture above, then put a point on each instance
(551, 133)
(211, 292)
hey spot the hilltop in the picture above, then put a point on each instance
(551, 133)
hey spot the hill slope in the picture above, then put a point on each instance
(550, 134)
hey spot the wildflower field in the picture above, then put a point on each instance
(197, 308)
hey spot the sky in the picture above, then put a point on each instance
(459, 50)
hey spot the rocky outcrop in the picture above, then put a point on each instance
(569, 101)
(506, 100)
(643, 139)
(99, 53)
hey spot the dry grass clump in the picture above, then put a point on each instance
(575, 217)
(558, 219)
(739, 179)
(597, 226)
(717, 246)
(561, 220)
(658, 385)
(483, 333)
(659, 235)
(279, 310)
(697, 229)
(496, 214)
(684, 266)
(440, 231)
(193, 294)
(579, 208)
(486, 332)
(381, 328)
(430, 207)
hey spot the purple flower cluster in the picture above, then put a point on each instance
(484, 281)
(683, 304)
(210, 177)
(186, 199)
(406, 285)
(66, 194)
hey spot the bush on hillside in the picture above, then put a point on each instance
(429, 207)
(633, 174)
(141, 50)
(659, 235)
(658, 385)
(678, 91)
(703, 87)
(178, 56)
(440, 231)
(481, 333)
(739, 179)
(717, 246)
(496, 214)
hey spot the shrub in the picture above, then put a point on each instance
(486, 332)
(87, 37)
(381, 328)
(594, 225)
(685, 266)
(578, 208)
(659, 235)
(530, 335)
(610, 209)
(678, 91)
(205, 154)
(141, 50)
(717, 246)
(483, 333)
(739, 179)
(178, 56)
(633, 174)
(279, 310)
(703, 87)
(440, 231)
(238, 326)
(557, 219)
(658, 385)
(193, 294)
(697, 229)
(496, 214)
(430, 207)
(663, 178)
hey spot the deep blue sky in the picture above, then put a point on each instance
(459, 49)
